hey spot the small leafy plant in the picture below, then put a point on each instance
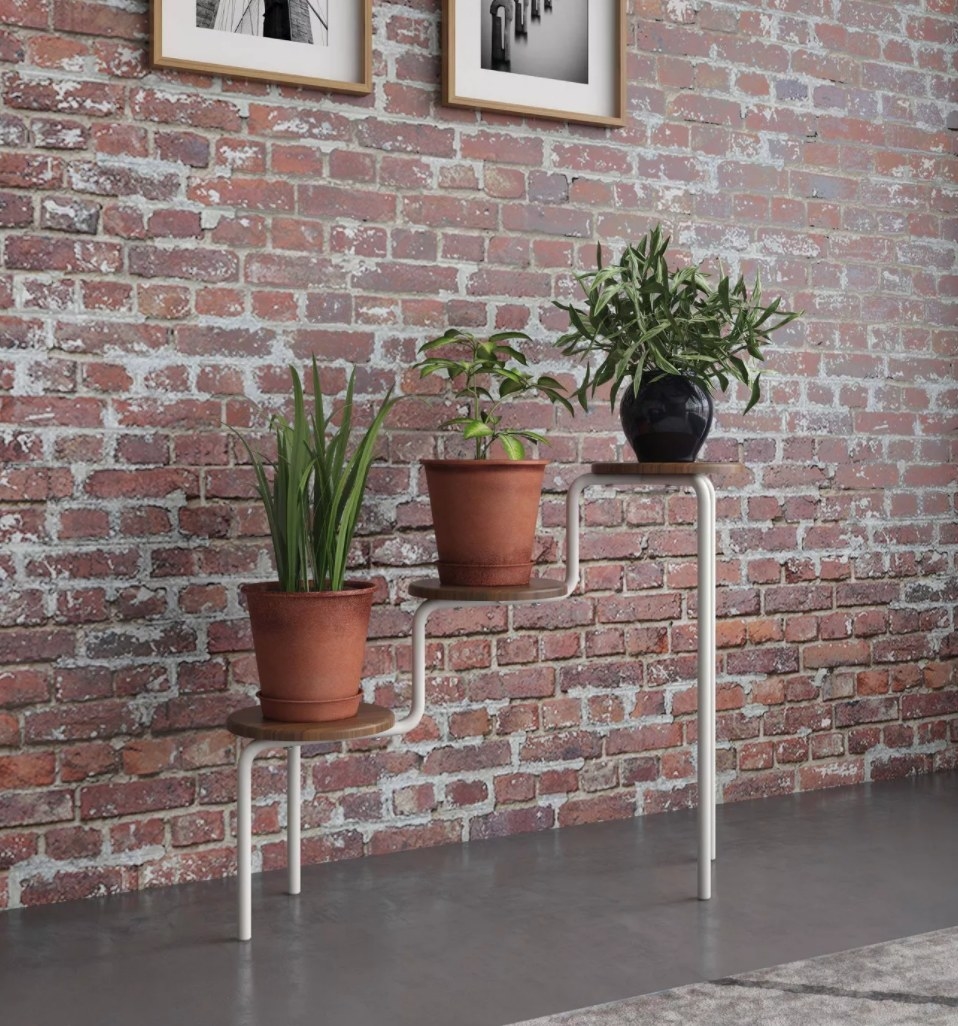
(643, 321)
(485, 374)
(315, 491)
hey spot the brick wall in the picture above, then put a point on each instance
(170, 241)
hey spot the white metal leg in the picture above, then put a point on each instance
(713, 691)
(292, 817)
(705, 496)
(244, 834)
(706, 690)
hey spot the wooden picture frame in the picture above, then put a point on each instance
(564, 61)
(275, 40)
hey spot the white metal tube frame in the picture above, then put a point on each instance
(705, 506)
(244, 826)
(705, 497)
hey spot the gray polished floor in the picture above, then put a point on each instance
(499, 931)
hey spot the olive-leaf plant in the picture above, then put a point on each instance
(314, 487)
(642, 321)
(484, 374)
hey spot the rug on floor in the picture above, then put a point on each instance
(910, 982)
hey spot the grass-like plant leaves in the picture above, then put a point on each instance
(313, 490)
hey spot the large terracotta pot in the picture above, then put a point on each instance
(310, 648)
(484, 513)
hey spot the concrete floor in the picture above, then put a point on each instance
(498, 931)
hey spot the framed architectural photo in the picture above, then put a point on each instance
(562, 59)
(321, 43)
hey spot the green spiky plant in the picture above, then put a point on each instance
(315, 491)
(484, 375)
(642, 322)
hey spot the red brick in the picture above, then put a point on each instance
(15, 211)
(561, 747)
(838, 774)
(31, 253)
(197, 828)
(474, 723)
(414, 800)
(422, 836)
(23, 687)
(17, 847)
(941, 703)
(462, 793)
(65, 843)
(96, 99)
(645, 738)
(136, 835)
(71, 885)
(467, 759)
(596, 810)
(208, 265)
(558, 781)
(182, 148)
(80, 762)
(757, 755)
(24, 808)
(514, 787)
(511, 148)
(21, 771)
(894, 767)
(527, 682)
(760, 785)
(98, 801)
(509, 822)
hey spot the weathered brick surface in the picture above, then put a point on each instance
(168, 242)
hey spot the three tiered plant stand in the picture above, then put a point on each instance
(376, 721)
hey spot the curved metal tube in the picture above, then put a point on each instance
(244, 833)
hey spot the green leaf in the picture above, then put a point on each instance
(756, 392)
(510, 387)
(477, 429)
(514, 449)
(738, 369)
(502, 336)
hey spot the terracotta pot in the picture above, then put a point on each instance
(484, 513)
(310, 648)
(284, 710)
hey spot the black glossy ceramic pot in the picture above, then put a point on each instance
(667, 421)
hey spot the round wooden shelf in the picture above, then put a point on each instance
(370, 720)
(636, 469)
(537, 589)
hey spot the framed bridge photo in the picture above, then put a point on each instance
(561, 59)
(322, 43)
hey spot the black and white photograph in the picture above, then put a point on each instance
(542, 38)
(559, 59)
(325, 44)
(300, 21)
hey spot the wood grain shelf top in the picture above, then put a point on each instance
(538, 588)
(370, 720)
(636, 469)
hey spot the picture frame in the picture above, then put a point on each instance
(564, 61)
(325, 44)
